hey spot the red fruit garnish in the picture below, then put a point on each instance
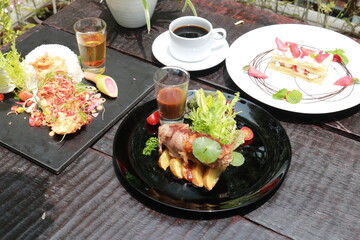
(280, 45)
(2, 97)
(24, 95)
(321, 57)
(294, 49)
(306, 52)
(344, 81)
(337, 58)
(256, 73)
(248, 133)
(154, 118)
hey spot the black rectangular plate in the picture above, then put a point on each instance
(134, 80)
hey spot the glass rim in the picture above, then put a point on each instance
(186, 79)
(103, 25)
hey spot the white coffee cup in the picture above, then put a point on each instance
(193, 38)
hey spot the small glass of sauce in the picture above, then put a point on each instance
(171, 87)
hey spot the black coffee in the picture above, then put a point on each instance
(190, 31)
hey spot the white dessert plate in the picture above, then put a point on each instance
(317, 99)
(160, 49)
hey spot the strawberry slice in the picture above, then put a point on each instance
(306, 52)
(294, 49)
(344, 81)
(256, 73)
(280, 45)
(337, 58)
(321, 57)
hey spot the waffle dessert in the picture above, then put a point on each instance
(301, 62)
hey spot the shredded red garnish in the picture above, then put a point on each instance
(64, 105)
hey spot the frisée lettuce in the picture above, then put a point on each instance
(213, 115)
(12, 72)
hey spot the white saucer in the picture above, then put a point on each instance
(160, 49)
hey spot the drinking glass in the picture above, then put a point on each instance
(91, 39)
(171, 87)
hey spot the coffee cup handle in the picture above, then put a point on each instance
(218, 35)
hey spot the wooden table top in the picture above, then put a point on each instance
(317, 200)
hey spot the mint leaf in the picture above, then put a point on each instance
(238, 159)
(206, 150)
(294, 96)
(341, 53)
(281, 94)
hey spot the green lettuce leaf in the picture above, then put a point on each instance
(213, 115)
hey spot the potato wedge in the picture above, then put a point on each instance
(164, 159)
(176, 167)
(186, 173)
(197, 175)
(211, 176)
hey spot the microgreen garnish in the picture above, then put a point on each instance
(150, 146)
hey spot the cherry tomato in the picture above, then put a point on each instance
(248, 133)
(24, 95)
(154, 118)
(2, 97)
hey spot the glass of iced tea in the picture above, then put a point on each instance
(91, 39)
(171, 86)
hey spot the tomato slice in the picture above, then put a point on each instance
(154, 118)
(248, 133)
(2, 96)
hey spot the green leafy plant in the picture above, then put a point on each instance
(187, 3)
(7, 34)
(328, 13)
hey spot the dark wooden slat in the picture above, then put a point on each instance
(88, 202)
(318, 198)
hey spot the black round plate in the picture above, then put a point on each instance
(267, 159)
